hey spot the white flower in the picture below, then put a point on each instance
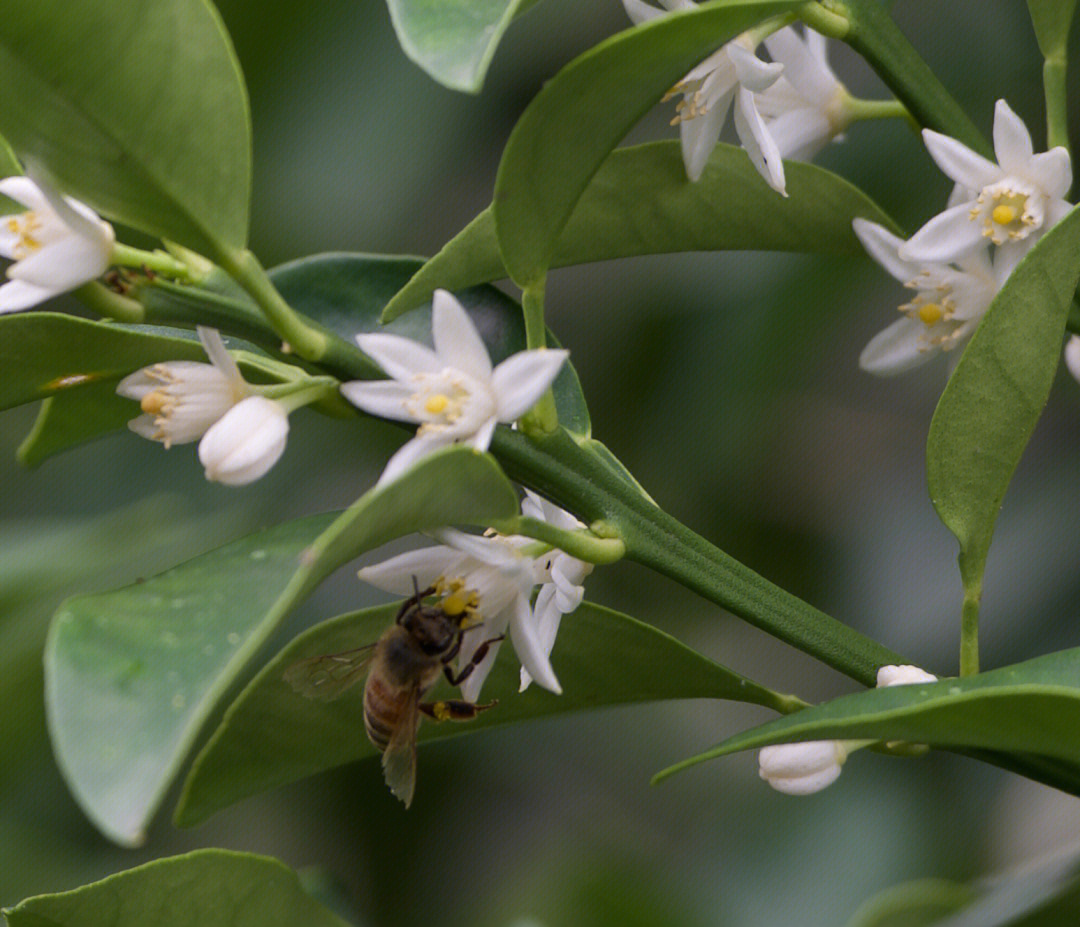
(1072, 356)
(57, 245)
(245, 442)
(452, 391)
(948, 303)
(496, 577)
(733, 72)
(806, 108)
(802, 768)
(182, 399)
(562, 576)
(1009, 203)
(243, 434)
(903, 675)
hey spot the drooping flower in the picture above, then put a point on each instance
(1010, 203)
(245, 442)
(243, 434)
(182, 399)
(495, 577)
(802, 768)
(902, 675)
(805, 108)
(948, 304)
(57, 245)
(732, 73)
(561, 576)
(451, 391)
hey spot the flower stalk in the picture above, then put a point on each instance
(157, 261)
(583, 545)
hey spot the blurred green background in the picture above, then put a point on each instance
(729, 385)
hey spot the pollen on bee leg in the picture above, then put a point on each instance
(441, 711)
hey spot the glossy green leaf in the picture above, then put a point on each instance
(1052, 20)
(208, 888)
(136, 107)
(583, 112)
(453, 40)
(75, 417)
(921, 903)
(640, 202)
(131, 675)
(271, 735)
(1031, 707)
(994, 398)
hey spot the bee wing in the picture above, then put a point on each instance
(399, 758)
(328, 676)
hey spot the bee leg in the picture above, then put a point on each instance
(466, 670)
(454, 709)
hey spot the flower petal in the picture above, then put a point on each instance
(425, 565)
(1012, 141)
(457, 342)
(23, 190)
(895, 350)
(528, 648)
(751, 72)
(641, 12)
(1053, 172)
(799, 134)
(245, 442)
(384, 398)
(62, 265)
(699, 136)
(411, 452)
(214, 345)
(401, 358)
(802, 68)
(882, 245)
(1072, 356)
(520, 380)
(959, 162)
(757, 142)
(19, 294)
(950, 235)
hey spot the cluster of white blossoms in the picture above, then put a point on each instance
(790, 107)
(957, 262)
(810, 766)
(496, 575)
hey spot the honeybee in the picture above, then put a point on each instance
(400, 667)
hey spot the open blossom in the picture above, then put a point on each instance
(451, 391)
(948, 303)
(733, 73)
(805, 108)
(497, 580)
(802, 768)
(243, 435)
(903, 675)
(1009, 203)
(57, 245)
(561, 576)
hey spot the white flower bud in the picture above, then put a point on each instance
(802, 768)
(905, 675)
(246, 442)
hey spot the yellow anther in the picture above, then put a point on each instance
(436, 403)
(1003, 214)
(153, 403)
(13, 225)
(930, 313)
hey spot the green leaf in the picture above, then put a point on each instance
(1052, 20)
(210, 888)
(131, 675)
(75, 417)
(994, 398)
(136, 107)
(1031, 707)
(921, 903)
(640, 202)
(271, 735)
(453, 40)
(583, 112)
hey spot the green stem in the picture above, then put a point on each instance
(108, 303)
(969, 633)
(160, 262)
(828, 18)
(875, 36)
(294, 395)
(543, 418)
(1057, 122)
(301, 337)
(857, 110)
(580, 544)
(581, 482)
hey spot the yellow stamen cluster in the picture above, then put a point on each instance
(691, 105)
(26, 226)
(457, 600)
(1008, 215)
